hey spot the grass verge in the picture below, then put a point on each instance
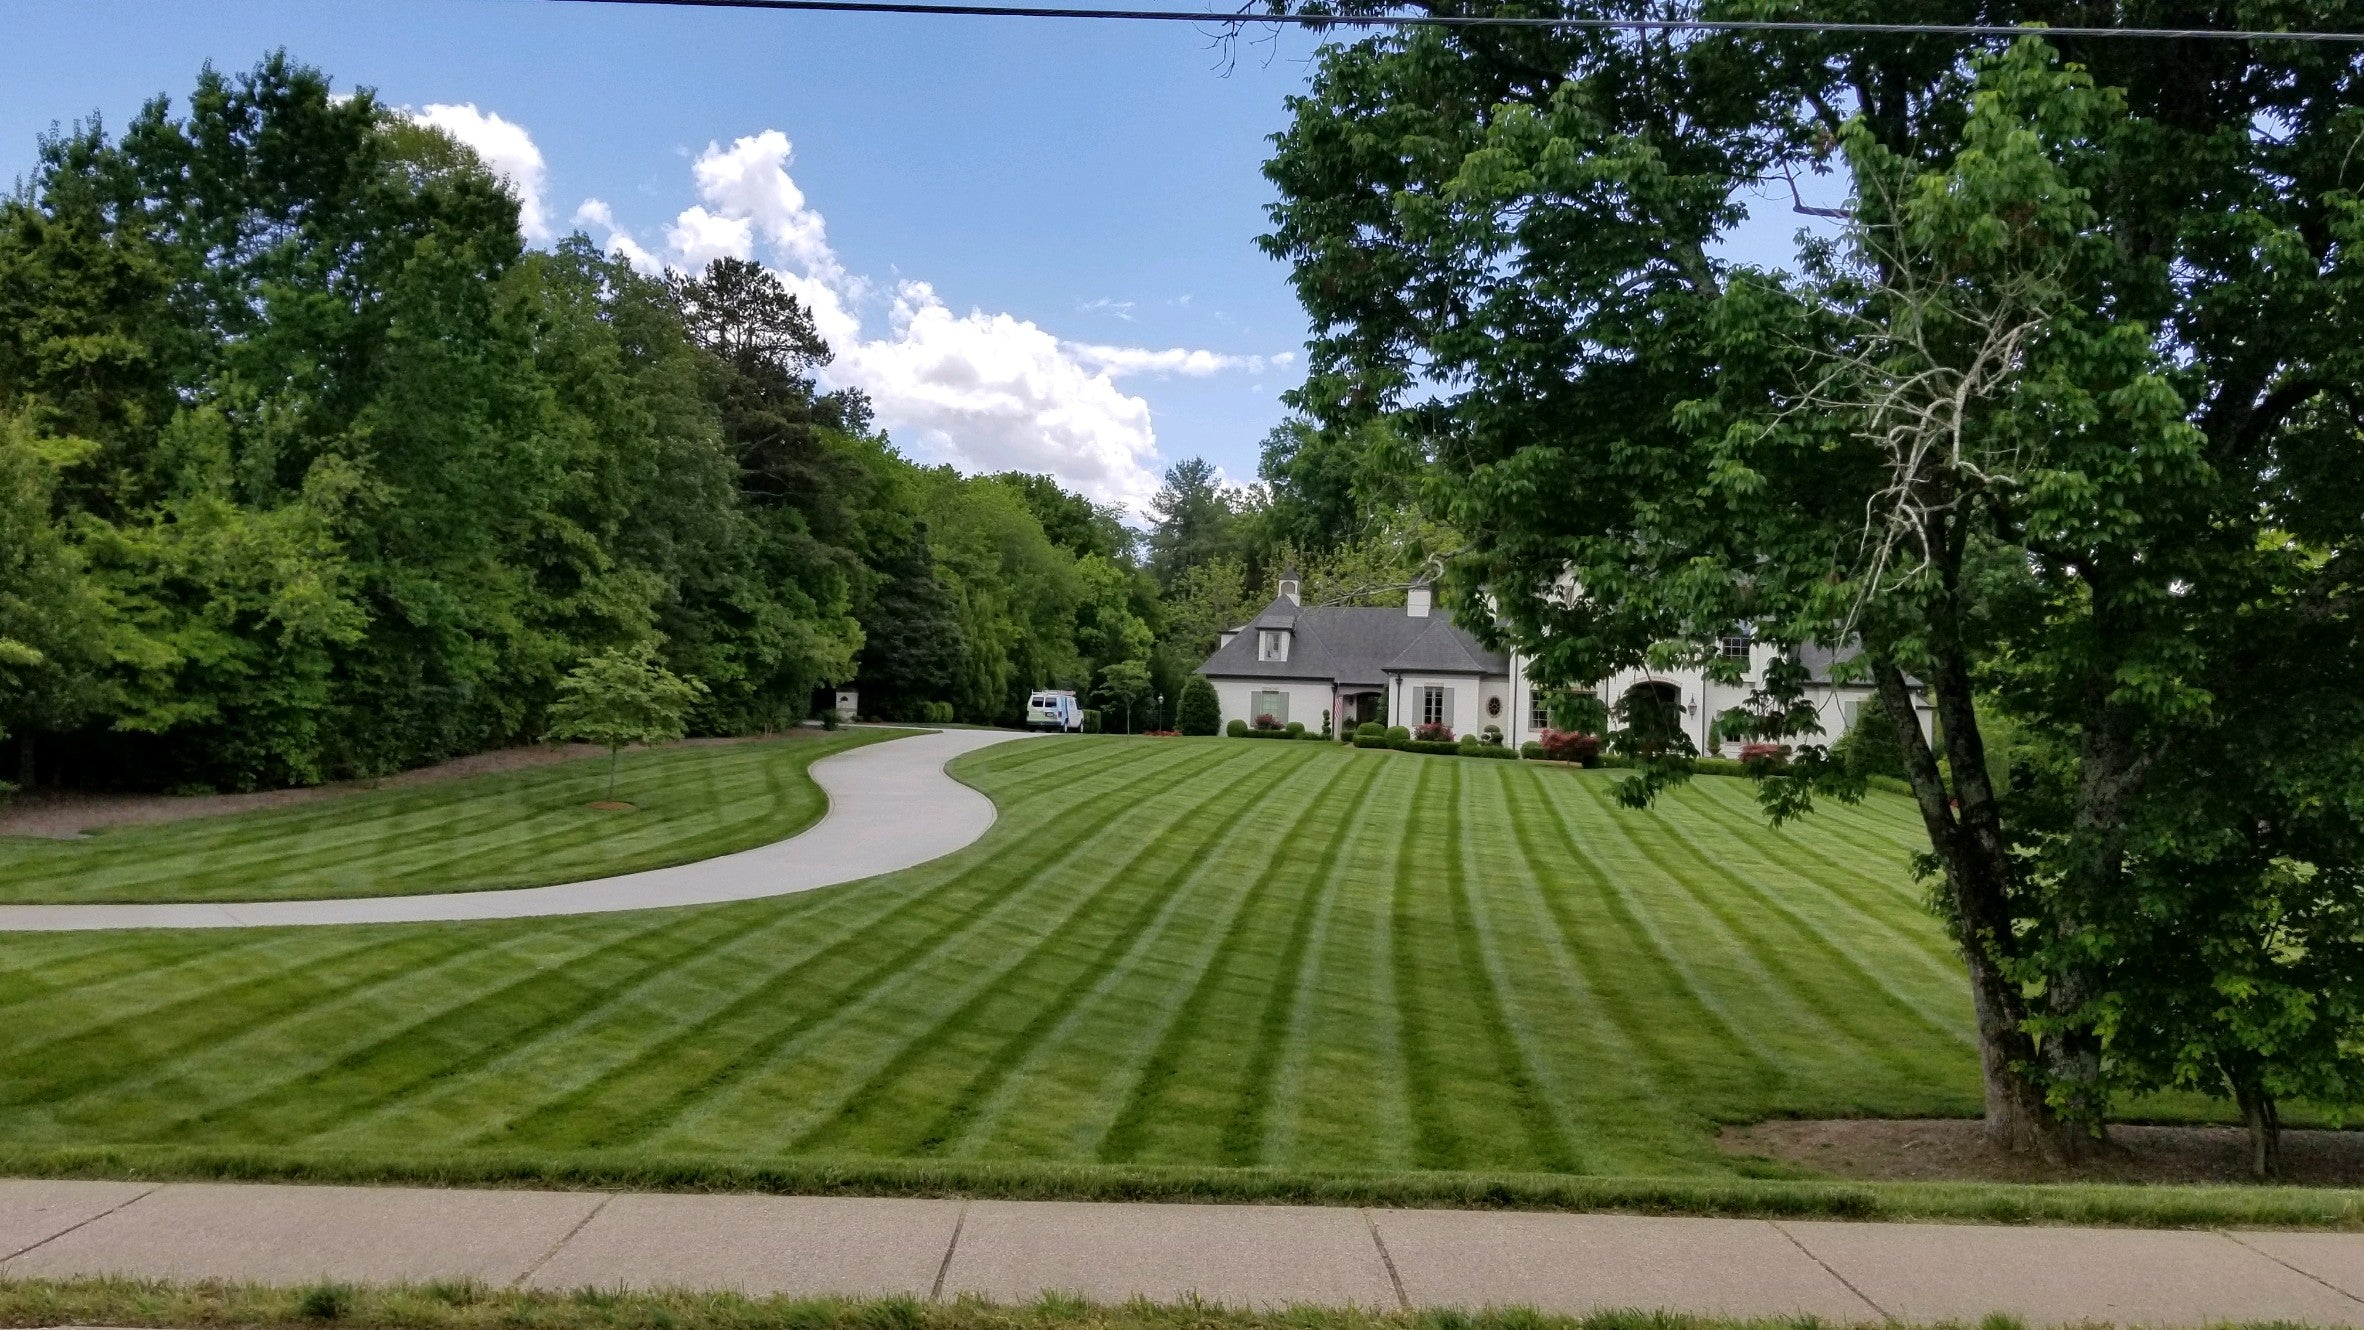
(465, 1306)
(2104, 1204)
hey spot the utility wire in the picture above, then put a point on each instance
(1493, 21)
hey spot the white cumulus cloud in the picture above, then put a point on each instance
(594, 213)
(507, 151)
(699, 237)
(983, 391)
(749, 182)
(1174, 360)
(990, 392)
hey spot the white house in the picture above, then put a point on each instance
(1295, 663)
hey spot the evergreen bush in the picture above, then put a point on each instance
(1200, 713)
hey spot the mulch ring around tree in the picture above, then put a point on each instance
(1952, 1150)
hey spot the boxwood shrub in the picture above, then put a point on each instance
(1237, 729)
(1437, 746)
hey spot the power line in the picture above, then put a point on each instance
(1491, 21)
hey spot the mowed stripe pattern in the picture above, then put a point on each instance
(1192, 952)
(510, 829)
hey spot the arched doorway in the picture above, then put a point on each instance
(1652, 714)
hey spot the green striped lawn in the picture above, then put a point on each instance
(1198, 952)
(518, 828)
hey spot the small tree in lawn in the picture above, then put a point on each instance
(1201, 713)
(1124, 684)
(622, 696)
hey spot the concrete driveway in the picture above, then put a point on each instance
(891, 807)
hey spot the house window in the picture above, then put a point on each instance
(1538, 709)
(1274, 704)
(1733, 646)
(1272, 644)
(1433, 710)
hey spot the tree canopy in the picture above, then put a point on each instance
(309, 468)
(2046, 424)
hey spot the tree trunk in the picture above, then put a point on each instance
(2264, 1121)
(612, 755)
(1968, 843)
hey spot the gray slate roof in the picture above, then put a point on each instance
(1354, 646)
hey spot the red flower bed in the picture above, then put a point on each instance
(1434, 734)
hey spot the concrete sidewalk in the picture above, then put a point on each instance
(1259, 1256)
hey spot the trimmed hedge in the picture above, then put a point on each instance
(1240, 729)
(1440, 747)
(1469, 749)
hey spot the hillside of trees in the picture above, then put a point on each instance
(310, 469)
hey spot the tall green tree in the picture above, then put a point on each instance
(51, 624)
(1194, 519)
(1071, 521)
(2080, 353)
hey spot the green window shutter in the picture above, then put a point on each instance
(1449, 710)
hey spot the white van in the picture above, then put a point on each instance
(1054, 711)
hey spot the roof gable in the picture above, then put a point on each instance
(1353, 646)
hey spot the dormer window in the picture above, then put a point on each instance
(1272, 644)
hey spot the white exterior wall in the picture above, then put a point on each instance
(1468, 713)
(1704, 700)
(1494, 690)
(1307, 701)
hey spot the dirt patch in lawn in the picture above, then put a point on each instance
(65, 814)
(1951, 1150)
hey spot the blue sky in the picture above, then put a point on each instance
(1032, 242)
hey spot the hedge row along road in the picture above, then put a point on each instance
(1196, 952)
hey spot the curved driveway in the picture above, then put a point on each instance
(891, 806)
